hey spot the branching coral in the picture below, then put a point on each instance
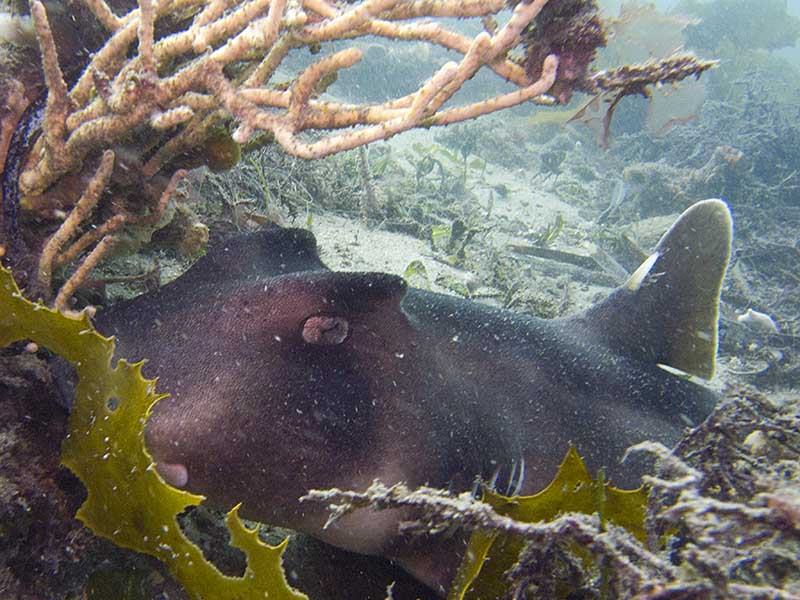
(171, 71)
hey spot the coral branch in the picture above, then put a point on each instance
(147, 22)
(77, 215)
(57, 101)
(470, 111)
(304, 86)
(163, 201)
(82, 272)
(170, 72)
(104, 14)
(89, 238)
(262, 30)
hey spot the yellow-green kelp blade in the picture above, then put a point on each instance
(127, 501)
(490, 555)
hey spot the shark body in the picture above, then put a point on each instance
(285, 376)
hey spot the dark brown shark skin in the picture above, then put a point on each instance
(285, 376)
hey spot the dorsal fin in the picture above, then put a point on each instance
(233, 262)
(667, 311)
(264, 253)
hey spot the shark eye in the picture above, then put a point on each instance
(324, 330)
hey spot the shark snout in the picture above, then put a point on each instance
(165, 450)
(175, 474)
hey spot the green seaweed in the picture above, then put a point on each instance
(416, 270)
(548, 234)
(573, 489)
(440, 236)
(127, 501)
(426, 159)
(453, 284)
(262, 180)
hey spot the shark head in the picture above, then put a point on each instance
(286, 372)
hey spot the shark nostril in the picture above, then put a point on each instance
(323, 330)
(175, 474)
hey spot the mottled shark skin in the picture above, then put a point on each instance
(285, 376)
